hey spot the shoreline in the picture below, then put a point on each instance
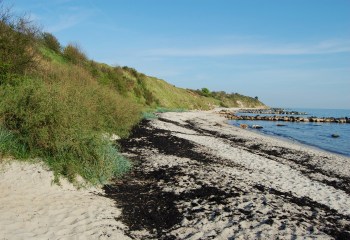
(285, 137)
(201, 178)
(293, 141)
(305, 145)
(194, 177)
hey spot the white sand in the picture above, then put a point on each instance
(32, 207)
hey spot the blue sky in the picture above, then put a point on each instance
(289, 53)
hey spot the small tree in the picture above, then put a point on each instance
(205, 92)
(256, 98)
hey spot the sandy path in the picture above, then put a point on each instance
(198, 178)
(31, 207)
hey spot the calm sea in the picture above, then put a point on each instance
(315, 134)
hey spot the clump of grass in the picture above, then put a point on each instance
(10, 146)
(97, 161)
(52, 56)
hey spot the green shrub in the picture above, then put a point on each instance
(205, 92)
(115, 77)
(17, 44)
(74, 54)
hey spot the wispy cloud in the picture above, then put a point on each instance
(66, 21)
(63, 23)
(324, 47)
(70, 15)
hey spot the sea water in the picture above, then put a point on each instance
(315, 134)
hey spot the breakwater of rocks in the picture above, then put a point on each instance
(233, 116)
(278, 111)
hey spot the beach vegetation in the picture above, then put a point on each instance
(73, 53)
(206, 92)
(236, 100)
(58, 105)
(51, 107)
(17, 45)
(10, 146)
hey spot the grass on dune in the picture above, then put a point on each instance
(65, 123)
(10, 146)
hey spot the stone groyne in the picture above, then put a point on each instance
(232, 116)
(278, 111)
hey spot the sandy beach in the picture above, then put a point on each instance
(194, 177)
(197, 177)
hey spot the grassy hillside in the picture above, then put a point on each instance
(150, 92)
(57, 104)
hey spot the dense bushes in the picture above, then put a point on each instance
(17, 44)
(66, 122)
